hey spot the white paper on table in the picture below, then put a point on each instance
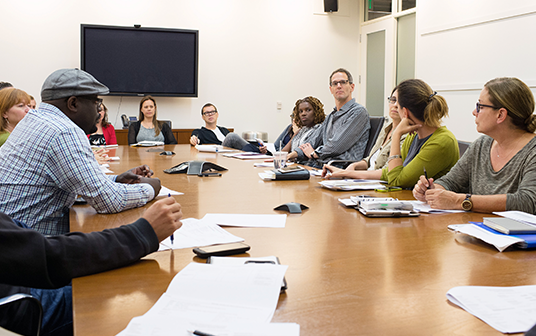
(114, 158)
(352, 184)
(248, 156)
(167, 192)
(315, 172)
(518, 216)
(507, 309)
(198, 232)
(248, 220)
(501, 242)
(165, 326)
(426, 208)
(214, 149)
(264, 164)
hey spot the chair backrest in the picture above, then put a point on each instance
(167, 122)
(376, 124)
(21, 313)
(463, 145)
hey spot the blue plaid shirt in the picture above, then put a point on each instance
(46, 162)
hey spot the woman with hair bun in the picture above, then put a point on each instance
(498, 170)
(428, 147)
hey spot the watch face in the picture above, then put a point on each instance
(467, 205)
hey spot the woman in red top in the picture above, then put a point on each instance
(105, 134)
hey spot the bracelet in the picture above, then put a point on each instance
(392, 157)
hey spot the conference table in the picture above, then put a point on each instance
(347, 275)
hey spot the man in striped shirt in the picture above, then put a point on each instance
(345, 132)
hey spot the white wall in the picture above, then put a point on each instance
(253, 53)
(462, 44)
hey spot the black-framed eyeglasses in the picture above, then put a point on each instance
(391, 100)
(479, 106)
(98, 101)
(342, 82)
(209, 113)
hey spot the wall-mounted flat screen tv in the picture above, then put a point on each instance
(142, 61)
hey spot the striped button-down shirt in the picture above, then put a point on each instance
(46, 162)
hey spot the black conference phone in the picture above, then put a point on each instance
(194, 168)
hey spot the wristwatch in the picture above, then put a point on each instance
(467, 204)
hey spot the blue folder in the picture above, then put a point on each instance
(530, 239)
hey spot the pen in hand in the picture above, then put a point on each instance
(426, 177)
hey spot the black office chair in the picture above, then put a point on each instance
(376, 124)
(167, 122)
(21, 313)
(463, 145)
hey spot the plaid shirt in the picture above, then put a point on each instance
(45, 163)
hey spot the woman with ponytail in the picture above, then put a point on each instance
(429, 146)
(498, 171)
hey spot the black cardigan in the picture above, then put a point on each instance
(206, 136)
(134, 128)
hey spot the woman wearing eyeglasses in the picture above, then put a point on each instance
(148, 128)
(498, 171)
(428, 145)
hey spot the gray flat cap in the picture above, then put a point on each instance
(64, 83)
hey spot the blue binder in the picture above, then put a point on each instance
(529, 239)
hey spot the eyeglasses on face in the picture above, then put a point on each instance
(479, 106)
(391, 100)
(209, 113)
(342, 82)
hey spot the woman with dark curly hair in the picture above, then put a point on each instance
(308, 116)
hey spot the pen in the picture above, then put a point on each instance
(172, 238)
(199, 333)
(426, 177)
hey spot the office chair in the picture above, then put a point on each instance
(463, 145)
(376, 124)
(21, 313)
(168, 122)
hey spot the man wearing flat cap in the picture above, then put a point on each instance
(47, 160)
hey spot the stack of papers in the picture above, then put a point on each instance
(218, 300)
(347, 185)
(507, 309)
(499, 240)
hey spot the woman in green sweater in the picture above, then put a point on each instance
(429, 146)
(13, 107)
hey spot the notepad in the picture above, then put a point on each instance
(509, 226)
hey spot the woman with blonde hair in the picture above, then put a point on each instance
(498, 170)
(148, 128)
(428, 147)
(13, 107)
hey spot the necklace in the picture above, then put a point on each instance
(510, 152)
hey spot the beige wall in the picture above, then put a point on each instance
(253, 53)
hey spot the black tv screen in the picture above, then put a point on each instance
(141, 61)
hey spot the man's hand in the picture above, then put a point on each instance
(194, 140)
(164, 216)
(143, 171)
(154, 182)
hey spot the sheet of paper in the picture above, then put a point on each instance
(507, 309)
(159, 326)
(518, 215)
(166, 192)
(501, 242)
(196, 232)
(215, 299)
(248, 220)
(315, 172)
(425, 208)
(104, 169)
(248, 156)
(264, 164)
(214, 149)
(351, 184)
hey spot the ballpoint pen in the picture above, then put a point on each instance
(199, 333)
(426, 177)
(172, 238)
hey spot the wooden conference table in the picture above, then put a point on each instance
(348, 275)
